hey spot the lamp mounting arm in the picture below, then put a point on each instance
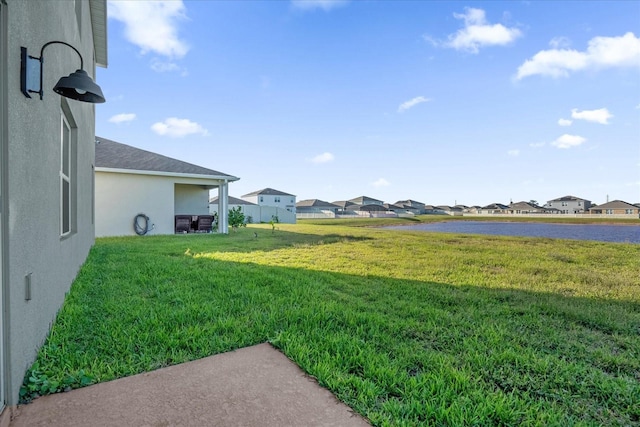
(59, 42)
(29, 69)
(77, 85)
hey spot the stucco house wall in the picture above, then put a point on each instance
(158, 197)
(132, 194)
(30, 132)
(131, 181)
(191, 200)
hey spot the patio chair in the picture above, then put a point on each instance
(183, 223)
(205, 223)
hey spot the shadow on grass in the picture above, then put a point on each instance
(397, 351)
(242, 240)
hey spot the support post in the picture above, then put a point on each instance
(223, 208)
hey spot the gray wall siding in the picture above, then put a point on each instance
(33, 183)
(570, 206)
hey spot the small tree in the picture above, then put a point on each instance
(273, 222)
(236, 218)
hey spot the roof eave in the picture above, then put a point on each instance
(227, 178)
(98, 10)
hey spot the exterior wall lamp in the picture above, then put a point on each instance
(77, 85)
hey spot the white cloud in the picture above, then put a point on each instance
(323, 158)
(477, 32)
(412, 103)
(602, 52)
(167, 66)
(559, 42)
(568, 141)
(151, 25)
(178, 128)
(325, 5)
(513, 153)
(381, 182)
(601, 115)
(122, 118)
(537, 144)
(565, 122)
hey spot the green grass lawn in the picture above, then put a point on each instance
(407, 328)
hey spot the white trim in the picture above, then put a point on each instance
(5, 367)
(171, 174)
(64, 124)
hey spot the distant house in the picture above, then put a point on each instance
(616, 207)
(433, 210)
(250, 210)
(273, 203)
(364, 200)
(569, 205)
(46, 171)
(494, 208)
(314, 208)
(412, 206)
(130, 181)
(520, 208)
(271, 197)
(343, 207)
(395, 208)
(449, 210)
(373, 210)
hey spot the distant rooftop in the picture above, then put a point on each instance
(268, 192)
(316, 203)
(232, 201)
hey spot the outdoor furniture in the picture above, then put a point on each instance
(205, 223)
(183, 223)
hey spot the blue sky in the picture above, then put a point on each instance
(440, 102)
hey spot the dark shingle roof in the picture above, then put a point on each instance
(524, 205)
(364, 200)
(496, 206)
(267, 192)
(232, 201)
(315, 203)
(568, 199)
(343, 203)
(114, 155)
(615, 204)
(392, 207)
(409, 202)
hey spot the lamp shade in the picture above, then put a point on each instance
(79, 86)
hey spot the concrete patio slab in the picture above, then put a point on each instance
(254, 386)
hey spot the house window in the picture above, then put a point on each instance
(609, 211)
(68, 171)
(65, 177)
(629, 211)
(277, 200)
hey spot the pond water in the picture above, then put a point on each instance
(597, 232)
